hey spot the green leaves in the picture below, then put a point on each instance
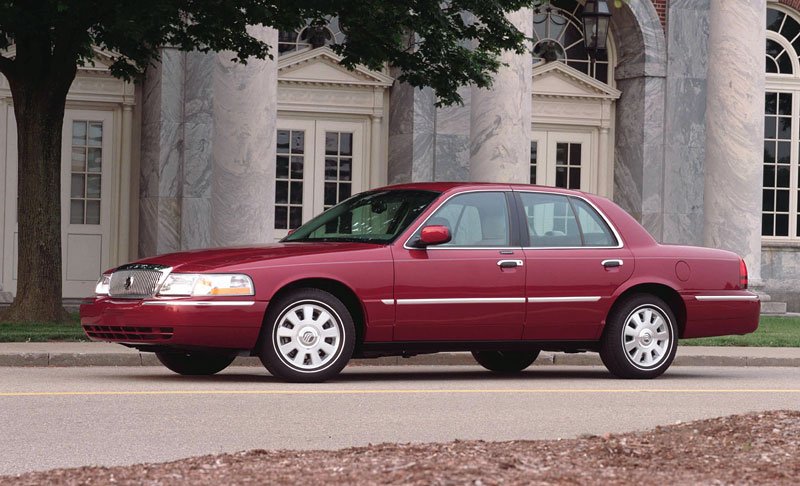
(442, 44)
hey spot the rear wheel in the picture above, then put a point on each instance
(309, 336)
(505, 361)
(640, 339)
(194, 364)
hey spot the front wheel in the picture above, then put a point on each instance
(195, 364)
(505, 361)
(308, 336)
(640, 339)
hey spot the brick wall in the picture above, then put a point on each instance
(661, 8)
(795, 4)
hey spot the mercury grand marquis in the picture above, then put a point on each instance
(503, 271)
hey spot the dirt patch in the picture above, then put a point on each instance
(757, 448)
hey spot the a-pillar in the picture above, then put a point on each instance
(243, 147)
(500, 117)
(734, 129)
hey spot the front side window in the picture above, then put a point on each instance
(370, 217)
(477, 219)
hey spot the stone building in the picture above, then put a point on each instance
(684, 122)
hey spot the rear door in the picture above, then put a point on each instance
(472, 288)
(575, 262)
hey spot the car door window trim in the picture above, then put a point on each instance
(613, 229)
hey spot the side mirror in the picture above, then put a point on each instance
(433, 235)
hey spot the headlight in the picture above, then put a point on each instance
(193, 284)
(103, 284)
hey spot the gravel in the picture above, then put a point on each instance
(756, 448)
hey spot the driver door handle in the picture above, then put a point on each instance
(509, 263)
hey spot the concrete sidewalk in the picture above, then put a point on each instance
(106, 354)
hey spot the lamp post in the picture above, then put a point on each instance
(596, 18)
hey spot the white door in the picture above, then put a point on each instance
(86, 175)
(319, 164)
(563, 159)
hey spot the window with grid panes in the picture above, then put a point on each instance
(780, 199)
(568, 165)
(86, 172)
(338, 168)
(534, 160)
(289, 168)
(558, 36)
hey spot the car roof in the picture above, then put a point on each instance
(459, 186)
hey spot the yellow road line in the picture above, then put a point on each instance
(400, 392)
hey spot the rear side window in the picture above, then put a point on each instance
(595, 230)
(551, 221)
(556, 221)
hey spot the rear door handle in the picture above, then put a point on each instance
(509, 263)
(611, 263)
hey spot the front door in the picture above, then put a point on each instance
(319, 164)
(562, 159)
(461, 290)
(86, 175)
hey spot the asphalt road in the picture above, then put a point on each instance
(63, 417)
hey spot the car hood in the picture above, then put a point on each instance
(218, 258)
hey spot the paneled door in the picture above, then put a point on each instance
(86, 175)
(562, 159)
(319, 163)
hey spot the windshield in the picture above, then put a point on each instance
(370, 217)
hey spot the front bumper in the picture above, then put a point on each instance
(219, 323)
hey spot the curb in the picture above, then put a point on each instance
(39, 360)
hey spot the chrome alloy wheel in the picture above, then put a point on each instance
(308, 336)
(646, 337)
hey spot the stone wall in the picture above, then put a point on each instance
(780, 274)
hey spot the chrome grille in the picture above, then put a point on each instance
(135, 281)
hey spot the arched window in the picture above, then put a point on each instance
(781, 204)
(310, 37)
(558, 36)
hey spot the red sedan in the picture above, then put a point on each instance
(504, 271)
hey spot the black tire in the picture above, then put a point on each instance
(639, 354)
(327, 339)
(195, 364)
(505, 362)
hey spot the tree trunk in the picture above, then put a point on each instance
(39, 110)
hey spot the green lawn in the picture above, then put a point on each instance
(42, 331)
(773, 331)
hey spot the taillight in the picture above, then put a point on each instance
(742, 274)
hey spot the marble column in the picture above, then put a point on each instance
(412, 118)
(243, 147)
(161, 166)
(734, 129)
(500, 117)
